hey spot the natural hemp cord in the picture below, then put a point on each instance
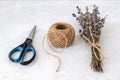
(60, 35)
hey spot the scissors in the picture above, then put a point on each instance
(23, 49)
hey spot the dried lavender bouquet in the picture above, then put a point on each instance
(92, 24)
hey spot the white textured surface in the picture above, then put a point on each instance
(17, 17)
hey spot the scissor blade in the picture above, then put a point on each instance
(32, 33)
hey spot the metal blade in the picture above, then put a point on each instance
(32, 33)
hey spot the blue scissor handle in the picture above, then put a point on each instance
(23, 49)
(17, 49)
(28, 49)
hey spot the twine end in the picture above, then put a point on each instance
(57, 70)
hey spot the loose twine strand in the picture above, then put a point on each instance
(58, 58)
(94, 45)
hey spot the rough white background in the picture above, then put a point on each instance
(17, 17)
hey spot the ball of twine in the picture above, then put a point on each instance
(58, 40)
(60, 35)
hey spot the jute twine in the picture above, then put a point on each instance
(95, 45)
(59, 40)
(60, 35)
